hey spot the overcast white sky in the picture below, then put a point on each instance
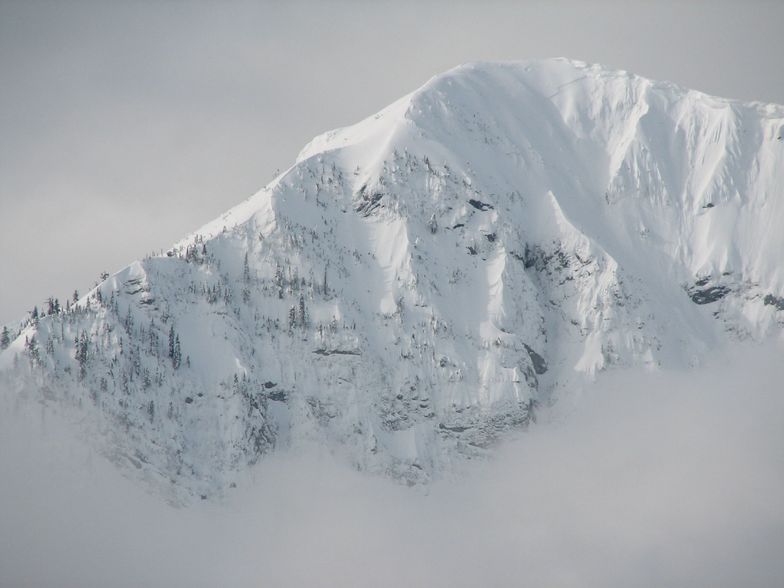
(124, 126)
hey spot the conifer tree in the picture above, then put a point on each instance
(82, 352)
(292, 317)
(177, 355)
(302, 315)
(279, 280)
(245, 269)
(31, 345)
(172, 336)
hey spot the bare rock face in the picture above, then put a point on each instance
(418, 283)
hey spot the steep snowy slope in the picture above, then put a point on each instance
(417, 283)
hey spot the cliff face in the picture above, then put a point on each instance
(416, 284)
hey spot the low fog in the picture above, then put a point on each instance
(671, 479)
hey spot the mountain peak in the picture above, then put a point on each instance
(522, 104)
(415, 285)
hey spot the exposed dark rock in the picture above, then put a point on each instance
(479, 205)
(336, 352)
(453, 429)
(368, 202)
(535, 257)
(539, 363)
(708, 295)
(776, 301)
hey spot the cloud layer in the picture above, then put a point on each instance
(640, 480)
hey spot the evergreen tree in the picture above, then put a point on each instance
(129, 321)
(5, 338)
(279, 280)
(31, 345)
(292, 317)
(82, 352)
(175, 352)
(177, 355)
(245, 269)
(302, 315)
(172, 339)
(153, 339)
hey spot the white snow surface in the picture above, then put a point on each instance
(473, 251)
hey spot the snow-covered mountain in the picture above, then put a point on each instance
(418, 283)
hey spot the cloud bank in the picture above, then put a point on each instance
(642, 479)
